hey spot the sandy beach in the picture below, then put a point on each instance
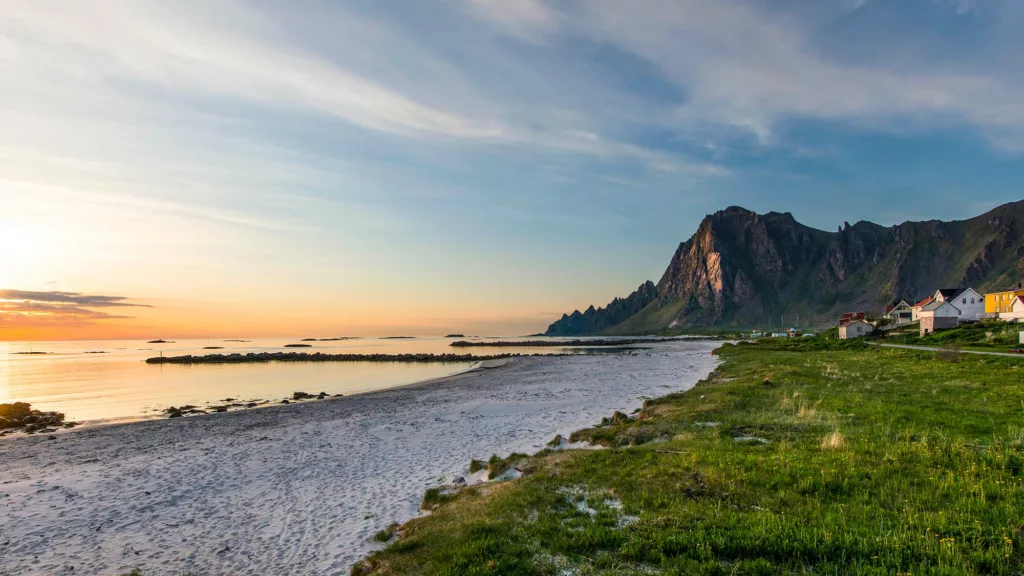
(297, 489)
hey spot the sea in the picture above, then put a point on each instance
(109, 381)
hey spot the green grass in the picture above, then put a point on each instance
(810, 457)
(990, 335)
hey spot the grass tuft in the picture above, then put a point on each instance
(833, 441)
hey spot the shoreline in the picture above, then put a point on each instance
(300, 490)
(83, 425)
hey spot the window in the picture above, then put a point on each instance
(965, 301)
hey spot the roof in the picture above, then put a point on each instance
(852, 322)
(948, 293)
(1012, 289)
(896, 304)
(963, 290)
(927, 300)
(936, 305)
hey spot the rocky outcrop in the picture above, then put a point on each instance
(20, 417)
(743, 269)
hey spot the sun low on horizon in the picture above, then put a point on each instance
(242, 168)
(511, 287)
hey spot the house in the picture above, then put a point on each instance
(970, 303)
(850, 317)
(938, 316)
(855, 329)
(998, 302)
(1016, 311)
(915, 310)
(899, 312)
(945, 294)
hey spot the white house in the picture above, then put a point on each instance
(855, 329)
(915, 310)
(1016, 312)
(899, 312)
(970, 303)
(938, 316)
(940, 310)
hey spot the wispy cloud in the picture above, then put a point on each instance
(26, 308)
(525, 19)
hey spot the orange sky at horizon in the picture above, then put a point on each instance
(180, 320)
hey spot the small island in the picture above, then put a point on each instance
(160, 342)
(257, 357)
(298, 345)
(455, 336)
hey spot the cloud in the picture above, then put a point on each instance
(746, 68)
(524, 19)
(26, 308)
(77, 298)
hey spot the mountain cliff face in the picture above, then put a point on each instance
(742, 269)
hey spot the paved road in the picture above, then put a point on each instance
(934, 349)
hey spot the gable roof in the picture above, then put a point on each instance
(964, 291)
(947, 293)
(896, 304)
(936, 305)
(855, 321)
(927, 300)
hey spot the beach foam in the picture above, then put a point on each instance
(298, 489)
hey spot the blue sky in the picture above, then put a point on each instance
(477, 164)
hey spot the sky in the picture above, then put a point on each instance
(218, 168)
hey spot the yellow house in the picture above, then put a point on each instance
(1000, 302)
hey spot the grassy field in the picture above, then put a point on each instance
(794, 457)
(991, 335)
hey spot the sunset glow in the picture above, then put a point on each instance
(245, 168)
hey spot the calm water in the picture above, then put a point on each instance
(119, 384)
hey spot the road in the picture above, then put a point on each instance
(934, 349)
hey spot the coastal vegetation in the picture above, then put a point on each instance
(994, 335)
(794, 456)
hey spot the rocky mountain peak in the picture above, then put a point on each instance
(741, 269)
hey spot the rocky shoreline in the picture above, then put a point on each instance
(20, 417)
(257, 357)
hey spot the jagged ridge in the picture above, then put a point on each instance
(595, 321)
(742, 269)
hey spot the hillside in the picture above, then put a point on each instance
(743, 269)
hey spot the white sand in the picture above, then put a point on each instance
(297, 489)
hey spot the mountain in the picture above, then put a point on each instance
(743, 269)
(595, 321)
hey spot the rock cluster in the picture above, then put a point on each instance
(20, 416)
(256, 357)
